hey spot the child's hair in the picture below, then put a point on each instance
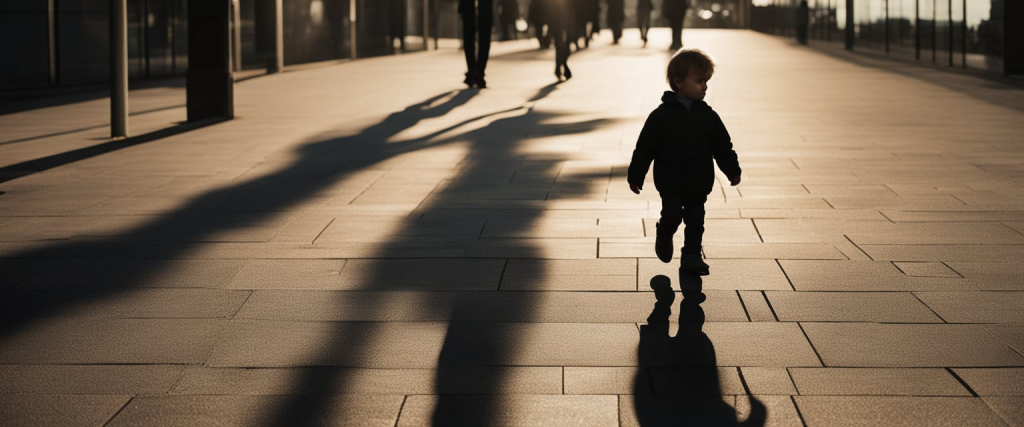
(686, 59)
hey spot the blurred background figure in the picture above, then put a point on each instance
(538, 19)
(803, 13)
(616, 15)
(584, 12)
(396, 24)
(477, 23)
(675, 12)
(643, 18)
(507, 16)
(561, 25)
(644, 8)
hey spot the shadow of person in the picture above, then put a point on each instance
(677, 383)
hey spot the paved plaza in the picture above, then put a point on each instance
(369, 243)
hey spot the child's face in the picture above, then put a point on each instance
(694, 86)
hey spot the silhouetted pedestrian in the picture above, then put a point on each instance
(675, 12)
(561, 23)
(538, 19)
(643, 18)
(396, 24)
(616, 15)
(803, 13)
(477, 22)
(684, 137)
(508, 15)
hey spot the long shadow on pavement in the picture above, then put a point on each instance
(681, 370)
(480, 336)
(329, 161)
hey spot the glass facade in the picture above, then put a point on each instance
(959, 33)
(74, 48)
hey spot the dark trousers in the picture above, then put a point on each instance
(687, 208)
(476, 25)
(677, 33)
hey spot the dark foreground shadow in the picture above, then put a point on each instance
(682, 369)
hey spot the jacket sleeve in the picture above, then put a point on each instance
(721, 146)
(646, 147)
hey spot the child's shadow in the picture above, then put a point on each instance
(681, 370)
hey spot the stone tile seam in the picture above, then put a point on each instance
(398, 418)
(501, 277)
(810, 343)
(321, 233)
(770, 307)
(788, 280)
(858, 248)
(914, 293)
(119, 410)
(743, 305)
(799, 414)
(242, 305)
(961, 381)
(753, 221)
(945, 263)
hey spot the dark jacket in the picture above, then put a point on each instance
(682, 144)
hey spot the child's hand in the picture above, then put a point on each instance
(734, 180)
(634, 188)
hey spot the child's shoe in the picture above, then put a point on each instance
(694, 264)
(663, 246)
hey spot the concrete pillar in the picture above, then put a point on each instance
(269, 16)
(849, 25)
(236, 34)
(51, 17)
(426, 24)
(354, 25)
(1013, 33)
(209, 84)
(118, 68)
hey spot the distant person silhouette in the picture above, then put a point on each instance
(616, 15)
(643, 18)
(683, 136)
(803, 13)
(477, 22)
(538, 19)
(675, 12)
(562, 29)
(396, 24)
(686, 363)
(508, 15)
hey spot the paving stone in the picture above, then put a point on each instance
(976, 307)
(764, 381)
(895, 410)
(509, 410)
(899, 345)
(978, 253)
(568, 228)
(363, 410)
(305, 305)
(994, 381)
(598, 275)
(876, 382)
(88, 379)
(10, 280)
(422, 274)
(741, 344)
(935, 233)
(376, 230)
(779, 410)
(676, 410)
(543, 248)
(726, 274)
(58, 409)
(881, 307)
(269, 344)
(607, 380)
(136, 303)
(696, 381)
(1011, 334)
(1010, 409)
(319, 381)
(540, 344)
(845, 214)
(926, 269)
(289, 274)
(992, 276)
(175, 273)
(757, 306)
(861, 276)
(773, 251)
(945, 216)
(110, 341)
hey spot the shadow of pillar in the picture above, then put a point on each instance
(681, 371)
